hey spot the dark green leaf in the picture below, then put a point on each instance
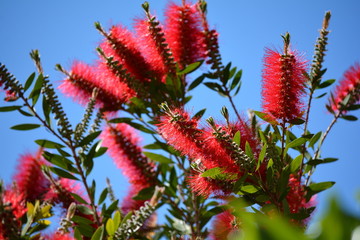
(236, 80)
(46, 110)
(29, 81)
(157, 157)
(141, 127)
(199, 114)
(314, 139)
(248, 150)
(35, 93)
(353, 107)
(63, 173)
(120, 120)
(60, 161)
(349, 117)
(79, 198)
(296, 143)
(321, 95)
(26, 126)
(26, 114)
(326, 83)
(89, 138)
(86, 230)
(48, 144)
(315, 162)
(297, 121)
(214, 86)
(144, 194)
(100, 152)
(9, 108)
(190, 68)
(78, 219)
(103, 196)
(84, 209)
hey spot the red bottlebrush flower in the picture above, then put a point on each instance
(154, 46)
(58, 236)
(184, 33)
(224, 226)
(122, 45)
(84, 78)
(206, 186)
(122, 143)
(59, 193)
(283, 85)
(349, 85)
(29, 178)
(296, 196)
(181, 132)
(14, 200)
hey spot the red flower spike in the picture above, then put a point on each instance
(59, 192)
(184, 33)
(224, 225)
(182, 132)
(124, 48)
(15, 201)
(58, 236)
(155, 47)
(82, 81)
(205, 186)
(349, 85)
(122, 143)
(283, 85)
(29, 178)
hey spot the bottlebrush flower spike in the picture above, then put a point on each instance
(29, 178)
(154, 45)
(283, 84)
(224, 226)
(181, 131)
(206, 186)
(14, 201)
(349, 86)
(122, 143)
(184, 33)
(58, 236)
(122, 45)
(83, 79)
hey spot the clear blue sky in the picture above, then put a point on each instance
(63, 31)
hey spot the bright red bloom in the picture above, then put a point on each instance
(206, 186)
(224, 225)
(154, 47)
(181, 131)
(349, 85)
(60, 192)
(122, 143)
(29, 178)
(15, 201)
(283, 85)
(296, 196)
(184, 33)
(58, 236)
(124, 48)
(84, 78)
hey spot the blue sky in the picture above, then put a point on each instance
(63, 31)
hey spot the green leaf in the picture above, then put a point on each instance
(212, 172)
(103, 195)
(199, 114)
(237, 138)
(314, 139)
(157, 157)
(120, 120)
(236, 80)
(325, 84)
(297, 121)
(26, 114)
(110, 228)
(89, 138)
(78, 219)
(29, 81)
(35, 93)
(319, 187)
(141, 127)
(48, 144)
(190, 68)
(9, 108)
(98, 234)
(84, 209)
(320, 96)
(296, 143)
(215, 86)
(79, 198)
(46, 110)
(62, 173)
(196, 82)
(266, 117)
(295, 163)
(145, 194)
(349, 117)
(117, 219)
(77, 234)
(316, 162)
(26, 126)
(248, 150)
(249, 189)
(261, 156)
